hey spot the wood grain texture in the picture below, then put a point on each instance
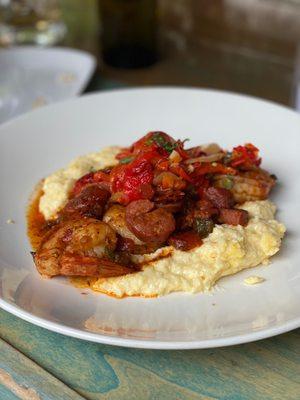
(268, 369)
(26, 380)
(6, 394)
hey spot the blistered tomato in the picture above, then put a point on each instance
(134, 180)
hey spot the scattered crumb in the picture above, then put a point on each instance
(213, 304)
(38, 102)
(253, 280)
(67, 77)
(10, 221)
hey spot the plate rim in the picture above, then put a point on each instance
(262, 333)
(148, 88)
(149, 344)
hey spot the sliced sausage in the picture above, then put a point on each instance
(127, 245)
(219, 197)
(90, 202)
(233, 217)
(100, 177)
(205, 209)
(185, 241)
(202, 209)
(115, 216)
(150, 226)
(166, 196)
(170, 207)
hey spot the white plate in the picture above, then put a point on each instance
(38, 143)
(33, 76)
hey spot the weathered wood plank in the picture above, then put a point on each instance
(6, 394)
(268, 369)
(28, 381)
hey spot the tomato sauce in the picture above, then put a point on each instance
(37, 226)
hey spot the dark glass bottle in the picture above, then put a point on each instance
(128, 32)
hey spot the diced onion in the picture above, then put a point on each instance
(175, 157)
(210, 158)
(211, 148)
(190, 168)
(164, 175)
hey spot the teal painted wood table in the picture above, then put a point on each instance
(39, 364)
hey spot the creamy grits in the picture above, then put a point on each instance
(226, 251)
(56, 187)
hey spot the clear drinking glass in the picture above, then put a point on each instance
(30, 21)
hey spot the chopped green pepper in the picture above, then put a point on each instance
(227, 182)
(203, 226)
(109, 254)
(228, 157)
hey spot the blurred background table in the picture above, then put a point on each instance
(246, 46)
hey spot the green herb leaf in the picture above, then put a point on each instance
(149, 142)
(162, 142)
(126, 160)
(157, 137)
(169, 147)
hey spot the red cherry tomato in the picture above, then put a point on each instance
(246, 156)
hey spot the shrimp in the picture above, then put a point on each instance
(115, 217)
(248, 185)
(79, 248)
